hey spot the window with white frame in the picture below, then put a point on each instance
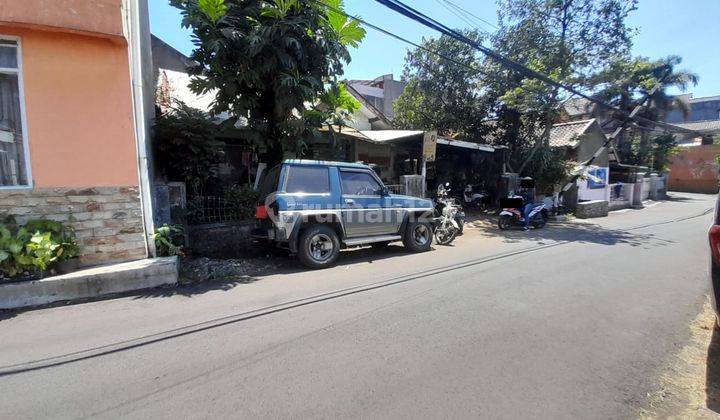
(14, 170)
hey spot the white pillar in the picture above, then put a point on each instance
(423, 172)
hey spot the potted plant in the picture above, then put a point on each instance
(61, 245)
(68, 260)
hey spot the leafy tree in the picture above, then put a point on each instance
(185, 145)
(566, 39)
(625, 82)
(441, 95)
(266, 60)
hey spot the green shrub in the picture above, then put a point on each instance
(35, 246)
(169, 240)
(13, 257)
(242, 199)
(60, 234)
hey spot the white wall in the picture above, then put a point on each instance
(585, 193)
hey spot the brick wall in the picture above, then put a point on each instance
(694, 169)
(107, 220)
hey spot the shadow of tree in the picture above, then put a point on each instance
(279, 265)
(199, 288)
(7, 314)
(568, 231)
(712, 377)
(283, 265)
(682, 198)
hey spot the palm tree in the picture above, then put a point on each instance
(624, 83)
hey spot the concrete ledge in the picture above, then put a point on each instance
(591, 209)
(619, 205)
(90, 283)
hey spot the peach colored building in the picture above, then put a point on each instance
(72, 122)
(695, 169)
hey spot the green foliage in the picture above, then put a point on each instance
(186, 148)
(13, 257)
(566, 39)
(265, 60)
(213, 9)
(348, 30)
(624, 82)
(335, 107)
(443, 96)
(664, 147)
(169, 240)
(42, 250)
(654, 152)
(242, 199)
(547, 167)
(35, 246)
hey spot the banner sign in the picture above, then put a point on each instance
(429, 146)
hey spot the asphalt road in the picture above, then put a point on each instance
(575, 320)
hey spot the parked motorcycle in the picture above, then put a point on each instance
(512, 213)
(475, 200)
(450, 217)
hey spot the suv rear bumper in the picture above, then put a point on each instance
(269, 234)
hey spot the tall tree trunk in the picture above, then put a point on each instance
(275, 153)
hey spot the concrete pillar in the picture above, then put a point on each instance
(654, 185)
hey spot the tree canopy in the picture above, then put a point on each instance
(442, 95)
(266, 60)
(584, 44)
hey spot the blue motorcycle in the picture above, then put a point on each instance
(512, 214)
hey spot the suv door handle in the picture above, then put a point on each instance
(350, 201)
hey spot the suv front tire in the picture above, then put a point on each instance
(318, 246)
(418, 236)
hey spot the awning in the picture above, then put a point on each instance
(466, 145)
(391, 136)
(396, 136)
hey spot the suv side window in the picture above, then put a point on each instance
(269, 183)
(358, 183)
(308, 180)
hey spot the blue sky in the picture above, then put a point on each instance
(690, 29)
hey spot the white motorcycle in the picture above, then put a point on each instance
(472, 199)
(447, 227)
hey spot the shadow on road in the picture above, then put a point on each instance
(570, 231)
(7, 314)
(712, 377)
(682, 198)
(285, 265)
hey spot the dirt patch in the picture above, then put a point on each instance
(198, 270)
(691, 386)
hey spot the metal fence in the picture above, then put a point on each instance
(620, 191)
(209, 209)
(396, 188)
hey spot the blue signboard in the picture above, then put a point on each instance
(599, 173)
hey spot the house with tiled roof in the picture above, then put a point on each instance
(581, 140)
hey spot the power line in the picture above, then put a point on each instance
(399, 38)
(407, 11)
(467, 13)
(460, 16)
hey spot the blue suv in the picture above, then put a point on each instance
(316, 208)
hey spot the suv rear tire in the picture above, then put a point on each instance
(318, 247)
(418, 236)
